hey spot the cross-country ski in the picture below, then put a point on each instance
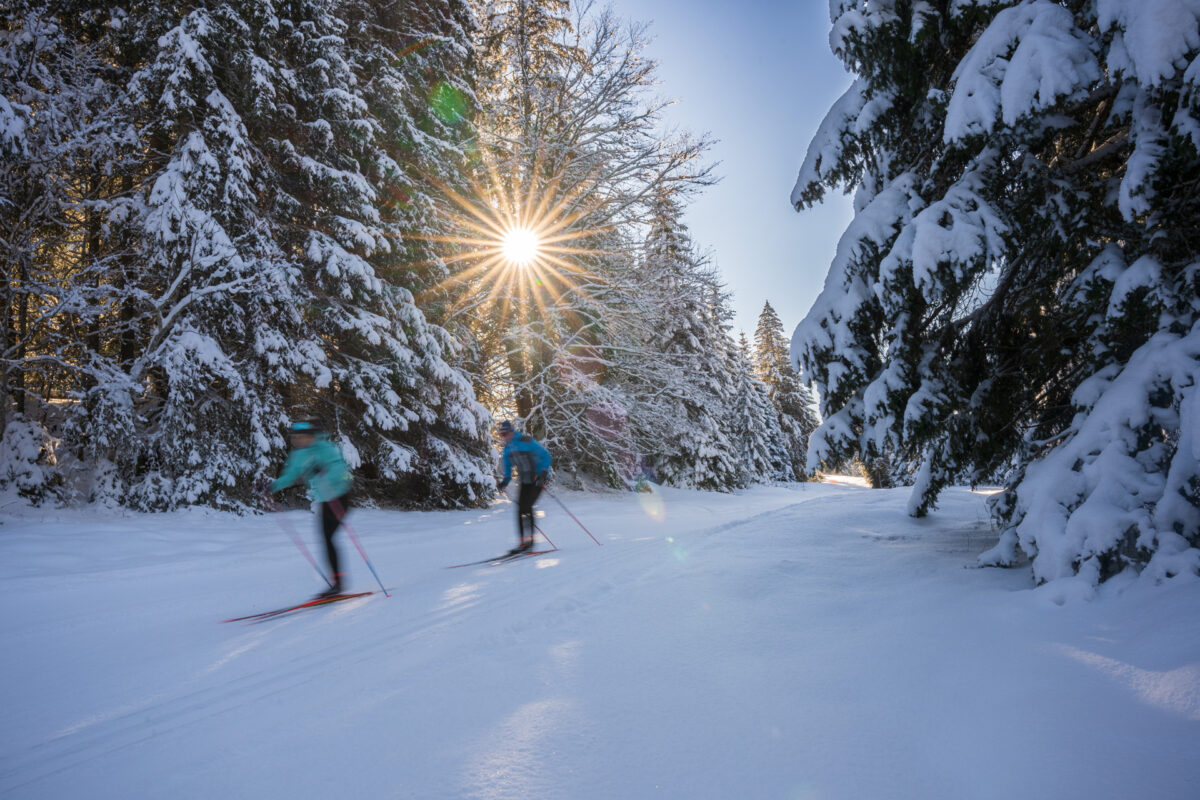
(314, 603)
(502, 559)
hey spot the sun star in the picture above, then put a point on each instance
(520, 246)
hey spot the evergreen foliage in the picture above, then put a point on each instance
(697, 450)
(1017, 294)
(795, 403)
(755, 423)
(242, 259)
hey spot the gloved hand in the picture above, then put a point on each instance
(261, 485)
(542, 479)
(502, 485)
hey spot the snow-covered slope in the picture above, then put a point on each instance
(802, 642)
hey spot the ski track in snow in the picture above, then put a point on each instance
(802, 642)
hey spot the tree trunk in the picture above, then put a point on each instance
(879, 473)
(22, 339)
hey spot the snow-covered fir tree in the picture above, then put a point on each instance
(1017, 295)
(697, 451)
(754, 422)
(413, 64)
(250, 271)
(794, 402)
(63, 129)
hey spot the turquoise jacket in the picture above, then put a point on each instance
(321, 466)
(529, 457)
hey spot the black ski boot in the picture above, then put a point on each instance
(332, 591)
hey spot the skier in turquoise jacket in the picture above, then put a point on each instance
(532, 462)
(318, 462)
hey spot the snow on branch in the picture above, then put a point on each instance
(1151, 38)
(1029, 58)
(825, 152)
(1098, 500)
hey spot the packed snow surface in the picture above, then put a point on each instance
(799, 642)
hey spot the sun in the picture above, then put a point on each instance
(520, 246)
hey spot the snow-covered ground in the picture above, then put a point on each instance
(792, 642)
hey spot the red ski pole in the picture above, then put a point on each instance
(544, 536)
(291, 531)
(572, 516)
(340, 511)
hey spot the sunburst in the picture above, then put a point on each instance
(522, 244)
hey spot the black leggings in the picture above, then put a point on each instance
(330, 522)
(525, 500)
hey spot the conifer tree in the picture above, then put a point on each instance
(697, 450)
(754, 422)
(412, 61)
(794, 402)
(1016, 295)
(61, 135)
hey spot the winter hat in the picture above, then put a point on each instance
(506, 427)
(308, 425)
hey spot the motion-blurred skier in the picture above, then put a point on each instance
(318, 462)
(532, 462)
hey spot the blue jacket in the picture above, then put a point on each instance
(321, 466)
(526, 454)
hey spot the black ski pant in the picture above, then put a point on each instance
(331, 513)
(525, 499)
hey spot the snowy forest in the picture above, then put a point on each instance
(1017, 299)
(217, 217)
(414, 219)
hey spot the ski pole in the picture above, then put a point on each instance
(340, 511)
(544, 536)
(291, 531)
(572, 516)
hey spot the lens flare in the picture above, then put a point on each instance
(651, 502)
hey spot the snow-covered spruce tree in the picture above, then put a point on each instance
(188, 416)
(62, 133)
(794, 402)
(1017, 293)
(697, 451)
(413, 62)
(369, 362)
(253, 225)
(754, 423)
(569, 147)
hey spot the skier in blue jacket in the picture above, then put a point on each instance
(532, 462)
(318, 462)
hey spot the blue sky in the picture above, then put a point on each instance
(758, 76)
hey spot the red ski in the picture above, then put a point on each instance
(501, 559)
(318, 601)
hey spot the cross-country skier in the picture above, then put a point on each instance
(318, 462)
(532, 462)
